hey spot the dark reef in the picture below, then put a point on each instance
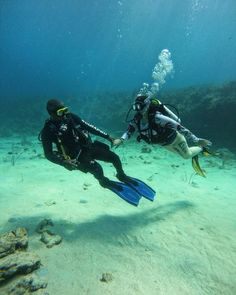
(209, 111)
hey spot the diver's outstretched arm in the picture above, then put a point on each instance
(118, 141)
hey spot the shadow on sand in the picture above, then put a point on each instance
(103, 228)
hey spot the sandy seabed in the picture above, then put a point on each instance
(182, 243)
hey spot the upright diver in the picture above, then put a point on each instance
(75, 150)
(156, 124)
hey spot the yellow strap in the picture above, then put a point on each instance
(66, 157)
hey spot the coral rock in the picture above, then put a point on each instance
(50, 239)
(44, 225)
(27, 284)
(18, 263)
(106, 277)
(12, 241)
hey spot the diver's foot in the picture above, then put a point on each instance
(204, 142)
(107, 183)
(124, 178)
(206, 152)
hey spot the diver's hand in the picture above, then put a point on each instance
(204, 142)
(111, 139)
(70, 164)
(117, 142)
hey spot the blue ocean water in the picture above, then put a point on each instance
(65, 48)
(95, 55)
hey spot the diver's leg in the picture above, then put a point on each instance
(181, 147)
(87, 164)
(110, 157)
(195, 150)
(96, 170)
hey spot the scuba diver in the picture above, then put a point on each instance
(75, 150)
(157, 124)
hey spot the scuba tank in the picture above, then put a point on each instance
(157, 106)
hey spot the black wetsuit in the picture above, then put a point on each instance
(71, 138)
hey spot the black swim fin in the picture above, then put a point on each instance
(141, 187)
(124, 191)
(196, 166)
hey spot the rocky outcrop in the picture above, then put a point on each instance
(106, 277)
(48, 237)
(44, 225)
(26, 285)
(12, 241)
(208, 111)
(17, 265)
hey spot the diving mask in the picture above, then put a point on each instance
(140, 103)
(138, 106)
(62, 111)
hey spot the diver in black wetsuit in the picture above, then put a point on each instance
(75, 149)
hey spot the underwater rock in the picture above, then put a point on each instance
(83, 201)
(15, 265)
(156, 158)
(18, 263)
(12, 241)
(86, 186)
(50, 203)
(44, 225)
(146, 150)
(106, 277)
(26, 285)
(50, 239)
(150, 178)
(147, 162)
(174, 166)
(47, 236)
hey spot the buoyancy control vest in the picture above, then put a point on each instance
(68, 137)
(154, 133)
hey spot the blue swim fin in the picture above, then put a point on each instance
(125, 192)
(142, 188)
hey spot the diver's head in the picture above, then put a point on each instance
(56, 109)
(141, 103)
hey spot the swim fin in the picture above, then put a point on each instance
(124, 191)
(196, 166)
(141, 187)
(206, 152)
